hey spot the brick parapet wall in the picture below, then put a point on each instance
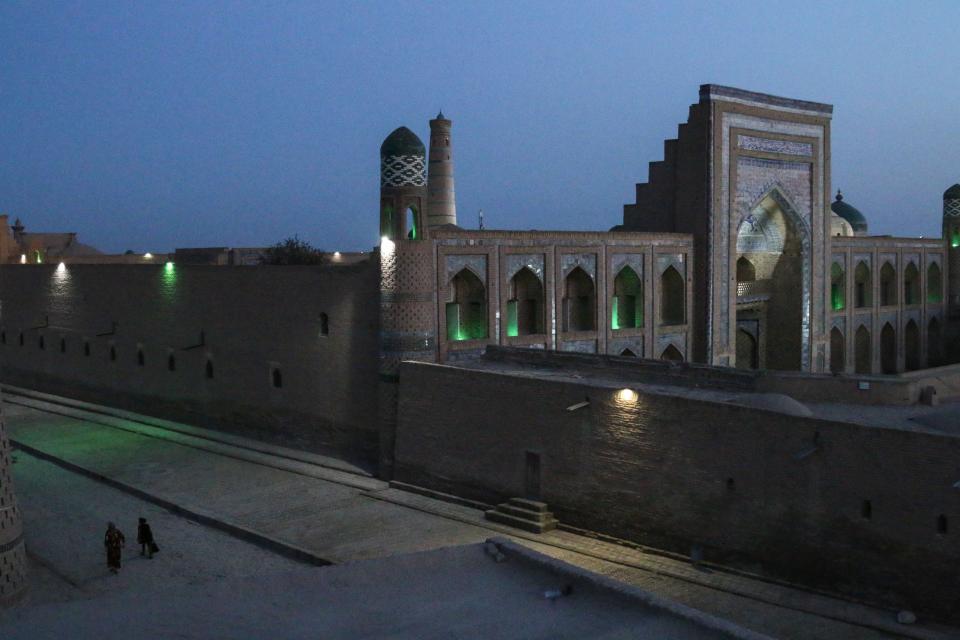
(254, 321)
(833, 505)
(13, 555)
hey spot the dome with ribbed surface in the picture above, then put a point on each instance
(402, 142)
(953, 193)
(849, 213)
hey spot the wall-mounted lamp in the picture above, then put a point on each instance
(627, 395)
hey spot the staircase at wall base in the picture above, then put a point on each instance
(529, 515)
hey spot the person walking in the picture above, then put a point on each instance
(145, 538)
(113, 541)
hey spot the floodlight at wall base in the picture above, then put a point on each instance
(386, 245)
(23, 258)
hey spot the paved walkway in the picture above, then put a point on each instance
(318, 509)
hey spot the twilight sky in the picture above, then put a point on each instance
(154, 125)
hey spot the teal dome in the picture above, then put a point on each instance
(849, 213)
(953, 193)
(402, 142)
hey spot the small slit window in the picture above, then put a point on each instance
(209, 370)
(3, 337)
(324, 325)
(171, 363)
(141, 360)
(943, 526)
(21, 338)
(63, 345)
(276, 378)
(86, 349)
(113, 353)
(866, 510)
(41, 343)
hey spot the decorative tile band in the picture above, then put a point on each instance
(787, 147)
(402, 171)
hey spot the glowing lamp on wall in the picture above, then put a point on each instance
(627, 395)
(148, 256)
(23, 258)
(386, 245)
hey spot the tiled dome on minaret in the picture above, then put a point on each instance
(403, 160)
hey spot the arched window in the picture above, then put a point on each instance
(911, 346)
(888, 349)
(387, 223)
(934, 355)
(863, 286)
(838, 288)
(411, 227)
(277, 378)
(672, 297)
(626, 311)
(863, 353)
(324, 325)
(911, 285)
(888, 285)
(934, 283)
(209, 370)
(579, 302)
(525, 306)
(837, 351)
(171, 362)
(466, 307)
(746, 272)
(671, 354)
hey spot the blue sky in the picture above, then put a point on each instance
(152, 125)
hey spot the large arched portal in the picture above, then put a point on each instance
(772, 268)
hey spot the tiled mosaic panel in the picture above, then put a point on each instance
(403, 171)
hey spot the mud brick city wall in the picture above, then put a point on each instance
(670, 471)
(13, 555)
(247, 344)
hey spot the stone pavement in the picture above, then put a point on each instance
(321, 509)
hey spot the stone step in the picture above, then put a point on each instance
(529, 505)
(526, 514)
(532, 526)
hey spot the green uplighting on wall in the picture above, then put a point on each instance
(513, 327)
(836, 297)
(168, 267)
(614, 315)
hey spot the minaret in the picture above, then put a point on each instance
(407, 276)
(441, 200)
(951, 236)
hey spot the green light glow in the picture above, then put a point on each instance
(513, 327)
(836, 297)
(168, 267)
(614, 315)
(955, 238)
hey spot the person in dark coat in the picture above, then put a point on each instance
(113, 541)
(145, 539)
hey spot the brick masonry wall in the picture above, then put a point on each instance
(254, 320)
(675, 472)
(13, 555)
